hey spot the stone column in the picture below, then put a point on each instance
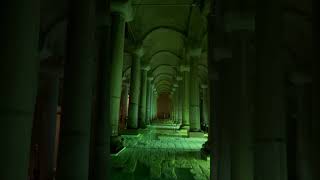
(124, 104)
(155, 105)
(171, 104)
(102, 126)
(143, 97)
(120, 13)
(300, 129)
(194, 93)
(270, 127)
(315, 113)
(135, 82)
(240, 89)
(180, 99)
(18, 76)
(205, 106)
(49, 98)
(176, 103)
(74, 146)
(185, 70)
(149, 101)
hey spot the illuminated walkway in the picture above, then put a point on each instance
(161, 152)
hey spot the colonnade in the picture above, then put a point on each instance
(249, 143)
(185, 95)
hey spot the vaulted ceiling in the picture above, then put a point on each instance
(166, 28)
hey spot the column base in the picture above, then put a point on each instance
(205, 150)
(116, 144)
(187, 127)
(197, 134)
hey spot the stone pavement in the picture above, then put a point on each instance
(161, 152)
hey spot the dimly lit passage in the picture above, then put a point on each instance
(159, 90)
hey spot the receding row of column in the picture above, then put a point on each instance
(19, 72)
(185, 95)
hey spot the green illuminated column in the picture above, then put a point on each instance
(174, 116)
(176, 107)
(120, 14)
(185, 70)
(148, 106)
(151, 103)
(171, 105)
(270, 127)
(124, 102)
(143, 97)
(155, 113)
(18, 77)
(205, 106)
(180, 99)
(135, 89)
(73, 158)
(194, 95)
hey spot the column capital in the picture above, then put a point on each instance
(138, 49)
(150, 78)
(124, 78)
(123, 8)
(184, 68)
(175, 85)
(204, 86)
(145, 68)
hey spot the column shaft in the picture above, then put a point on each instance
(101, 161)
(117, 51)
(186, 97)
(124, 105)
(148, 105)
(134, 93)
(177, 106)
(205, 106)
(239, 76)
(303, 138)
(315, 114)
(143, 99)
(180, 101)
(50, 95)
(73, 160)
(194, 97)
(18, 76)
(270, 129)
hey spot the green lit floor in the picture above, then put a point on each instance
(161, 152)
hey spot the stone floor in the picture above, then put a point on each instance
(161, 152)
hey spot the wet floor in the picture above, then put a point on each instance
(161, 152)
